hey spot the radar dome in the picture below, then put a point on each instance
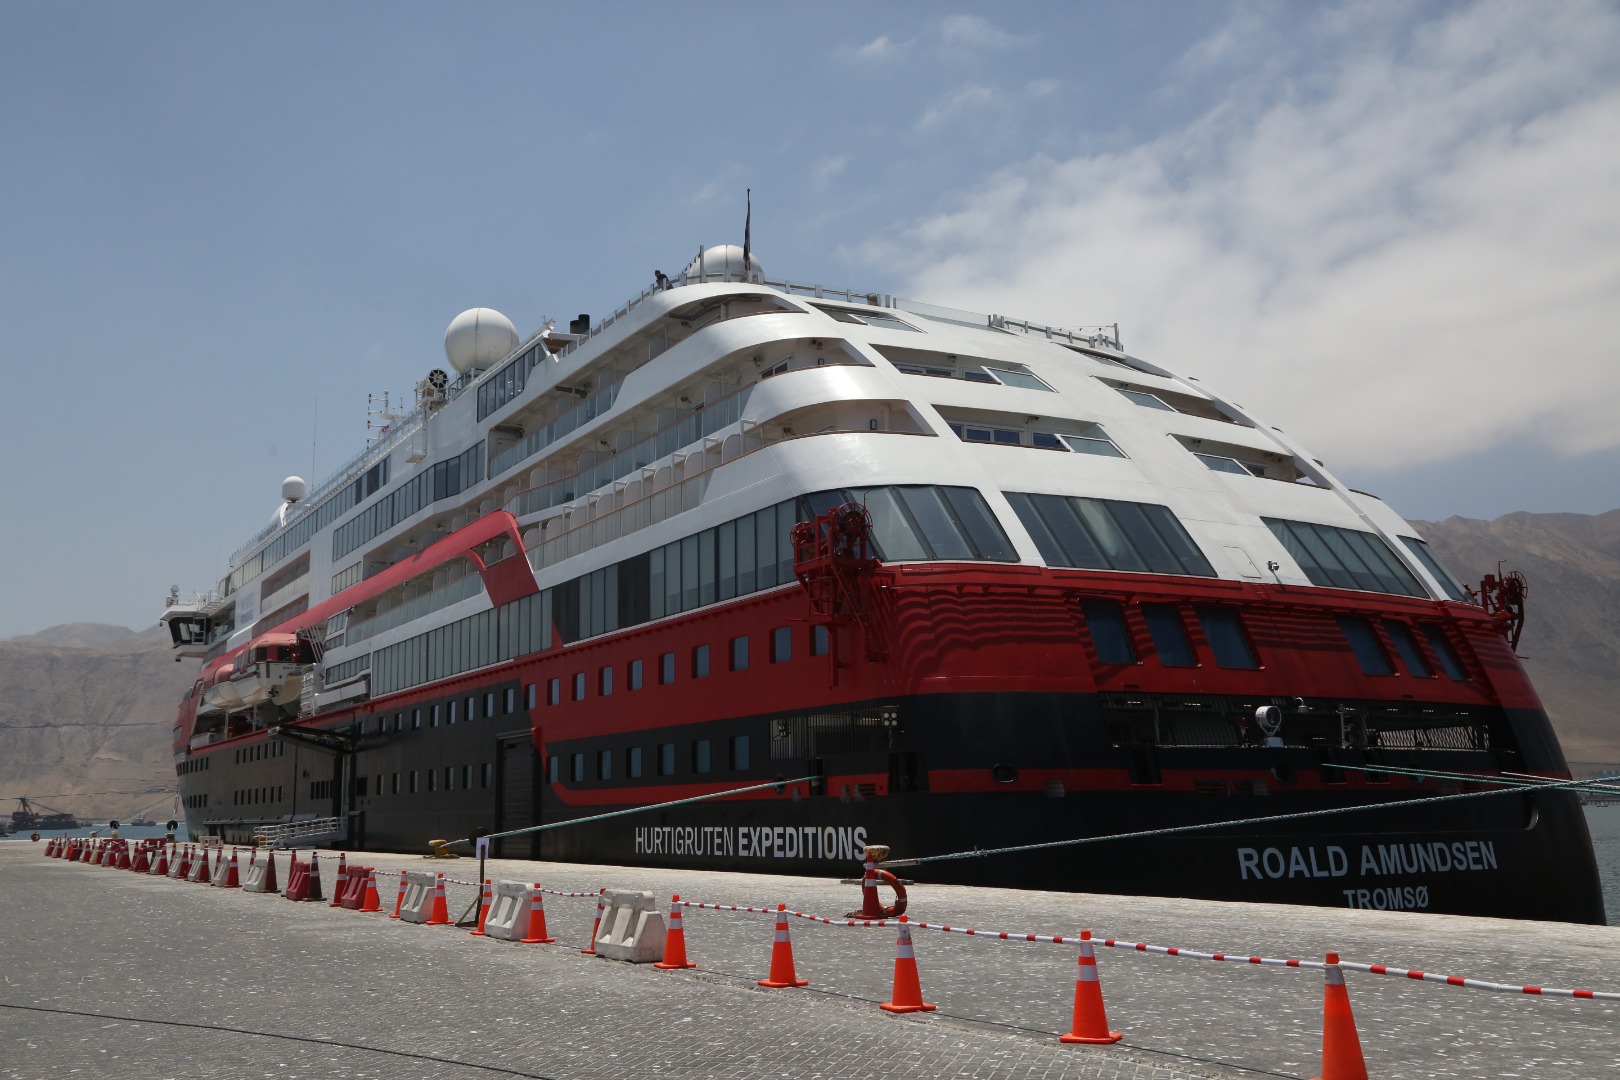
(293, 488)
(479, 338)
(725, 262)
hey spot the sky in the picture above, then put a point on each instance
(1392, 229)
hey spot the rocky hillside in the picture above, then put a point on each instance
(87, 708)
(1572, 624)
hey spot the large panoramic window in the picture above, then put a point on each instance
(1107, 534)
(1432, 565)
(1345, 558)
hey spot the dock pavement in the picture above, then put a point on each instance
(110, 973)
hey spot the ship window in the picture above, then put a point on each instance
(727, 546)
(666, 759)
(870, 318)
(433, 780)
(510, 700)
(1169, 635)
(739, 753)
(1432, 565)
(1364, 643)
(1109, 534)
(380, 783)
(486, 774)
(466, 776)
(1221, 463)
(820, 640)
(1344, 558)
(449, 778)
(666, 668)
(1151, 401)
(781, 645)
(604, 681)
(700, 755)
(1223, 629)
(414, 781)
(634, 675)
(554, 764)
(604, 765)
(554, 692)
(450, 713)
(394, 786)
(416, 719)
(472, 707)
(433, 717)
(1045, 440)
(632, 763)
(579, 686)
(1407, 646)
(700, 662)
(739, 654)
(1443, 651)
(1014, 375)
(576, 769)
(529, 697)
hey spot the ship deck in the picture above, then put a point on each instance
(308, 990)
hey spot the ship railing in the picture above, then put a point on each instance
(433, 600)
(303, 833)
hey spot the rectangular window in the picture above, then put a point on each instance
(472, 709)
(739, 753)
(449, 778)
(700, 756)
(632, 763)
(413, 781)
(394, 787)
(529, 697)
(1344, 558)
(820, 640)
(634, 678)
(666, 668)
(1016, 376)
(380, 779)
(666, 759)
(486, 774)
(1098, 445)
(579, 686)
(511, 700)
(781, 645)
(1450, 662)
(1222, 463)
(577, 768)
(1223, 629)
(1432, 565)
(1109, 634)
(554, 692)
(1151, 401)
(1365, 644)
(416, 719)
(604, 681)
(604, 765)
(1109, 534)
(466, 776)
(450, 713)
(1169, 635)
(739, 654)
(554, 764)
(489, 705)
(700, 662)
(433, 780)
(1407, 646)
(434, 717)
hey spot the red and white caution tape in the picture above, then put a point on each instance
(1478, 984)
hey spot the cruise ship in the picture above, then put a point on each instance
(891, 573)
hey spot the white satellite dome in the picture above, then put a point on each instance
(725, 261)
(479, 338)
(293, 488)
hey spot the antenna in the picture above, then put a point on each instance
(380, 417)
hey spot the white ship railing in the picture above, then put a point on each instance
(414, 608)
(312, 830)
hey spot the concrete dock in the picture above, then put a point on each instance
(106, 972)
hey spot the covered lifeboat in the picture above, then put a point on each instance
(270, 670)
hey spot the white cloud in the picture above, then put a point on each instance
(961, 100)
(974, 31)
(827, 168)
(879, 48)
(1408, 250)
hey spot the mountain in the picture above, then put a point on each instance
(1571, 640)
(87, 708)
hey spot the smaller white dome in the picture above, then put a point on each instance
(725, 261)
(479, 338)
(293, 488)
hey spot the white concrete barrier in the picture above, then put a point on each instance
(418, 904)
(508, 917)
(632, 927)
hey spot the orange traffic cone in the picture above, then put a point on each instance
(1341, 1046)
(907, 995)
(270, 883)
(674, 940)
(439, 915)
(601, 899)
(782, 973)
(485, 900)
(399, 903)
(1090, 1020)
(232, 880)
(315, 878)
(371, 902)
(536, 934)
(341, 880)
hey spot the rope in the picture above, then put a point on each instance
(1510, 779)
(1210, 826)
(641, 809)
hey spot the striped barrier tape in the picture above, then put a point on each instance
(1183, 954)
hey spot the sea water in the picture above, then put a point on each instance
(1603, 821)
